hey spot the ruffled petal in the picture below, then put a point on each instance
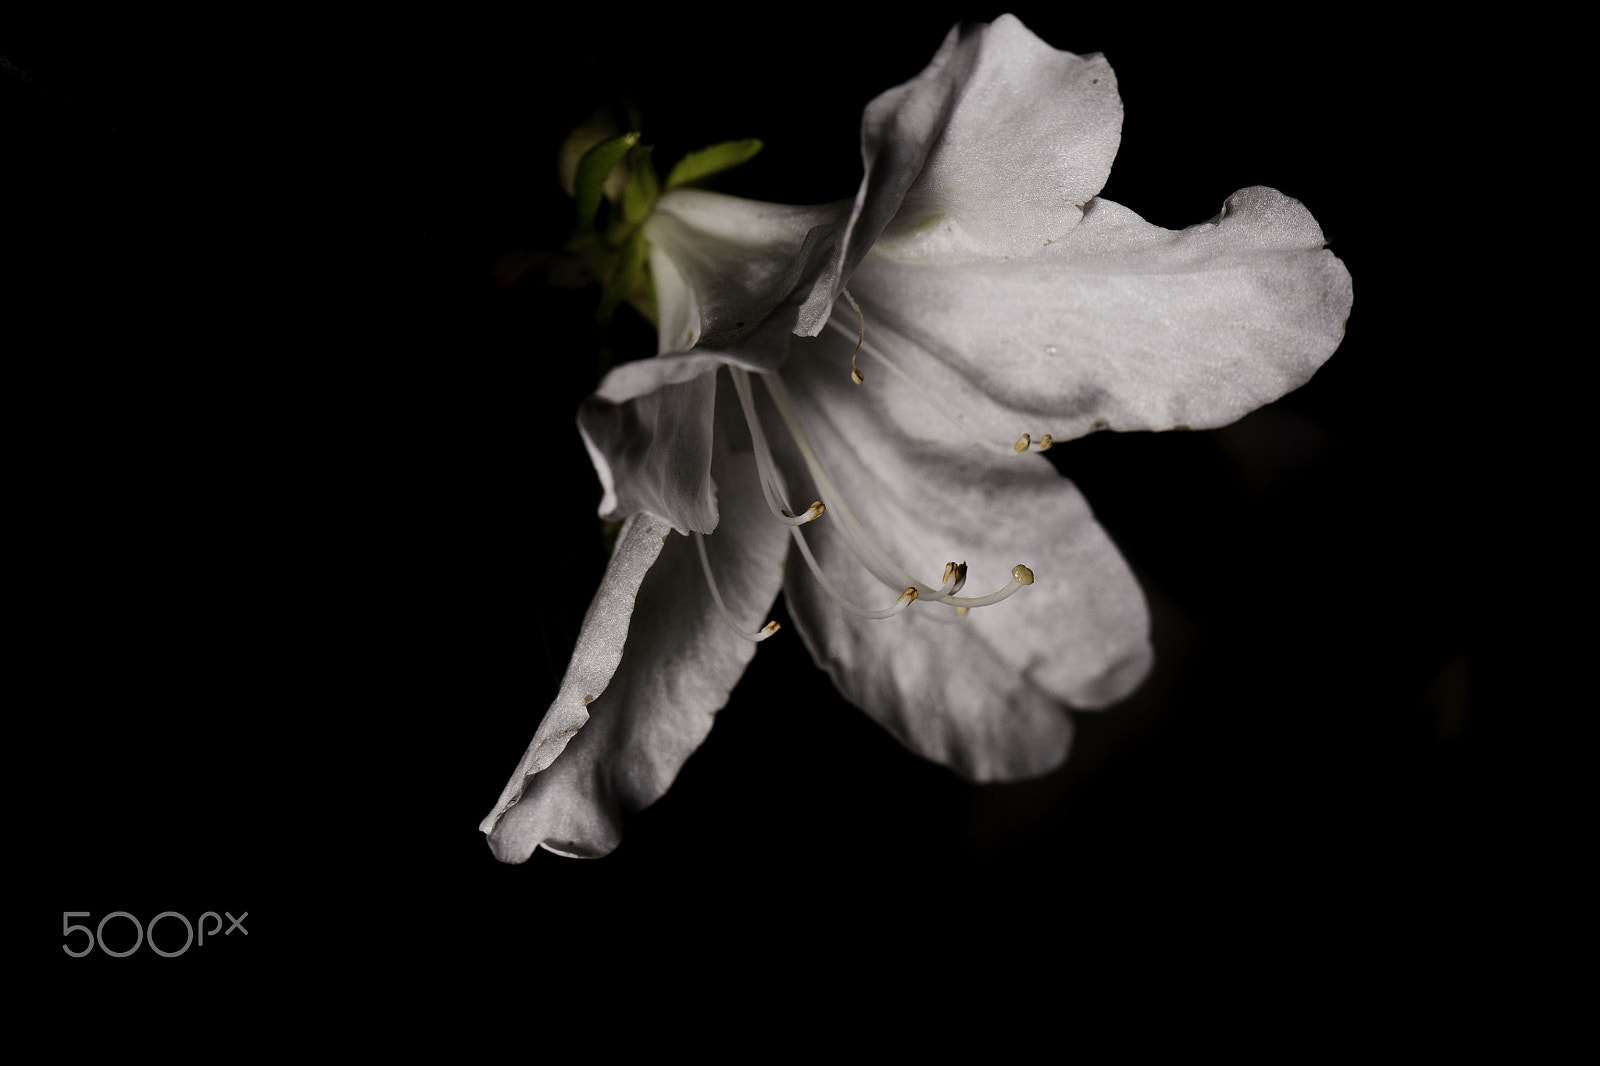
(726, 273)
(1120, 325)
(595, 659)
(990, 151)
(680, 661)
(648, 431)
(982, 693)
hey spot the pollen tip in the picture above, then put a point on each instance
(856, 376)
(1022, 443)
(906, 597)
(961, 611)
(767, 631)
(1045, 442)
(1021, 575)
(815, 511)
(949, 570)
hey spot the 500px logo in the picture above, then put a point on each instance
(144, 932)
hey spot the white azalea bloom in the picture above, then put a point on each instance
(1005, 309)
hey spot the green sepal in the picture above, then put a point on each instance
(629, 265)
(643, 189)
(712, 160)
(593, 169)
(584, 136)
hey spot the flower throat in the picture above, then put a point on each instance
(860, 543)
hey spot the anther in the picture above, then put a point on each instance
(1045, 442)
(955, 576)
(767, 631)
(1022, 443)
(1020, 576)
(861, 335)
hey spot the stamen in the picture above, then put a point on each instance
(916, 387)
(955, 576)
(766, 466)
(861, 545)
(1022, 444)
(861, 335)
(901, 604)
(1045, 442)
(716, 595)
(1020, 576)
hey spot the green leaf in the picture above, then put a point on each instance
(629, 264)
(712, 160)
(593, 169)
(643, 189)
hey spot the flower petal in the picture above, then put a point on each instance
(981, 693)
(990, 151)
(1120, 325)
(727, 272)
(741, 262)
(595, 659)
(680, 661)
(677, 310)
(648, 431)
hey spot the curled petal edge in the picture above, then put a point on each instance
(596, 657)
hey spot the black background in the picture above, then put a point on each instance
(315, 532)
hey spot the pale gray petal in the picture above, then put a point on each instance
(1119, 325)
(677, 668)
(741, 262)
(677, 309)
(990, 151)
(982, 693)
(1031, 139)
(648, 431)
(595, 659)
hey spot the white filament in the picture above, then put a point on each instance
(917, 387)
(838, 597)
(716, 595)
(984, 601)
(767, 467)
(866, 550)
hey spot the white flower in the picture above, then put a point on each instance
(1005, 308)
